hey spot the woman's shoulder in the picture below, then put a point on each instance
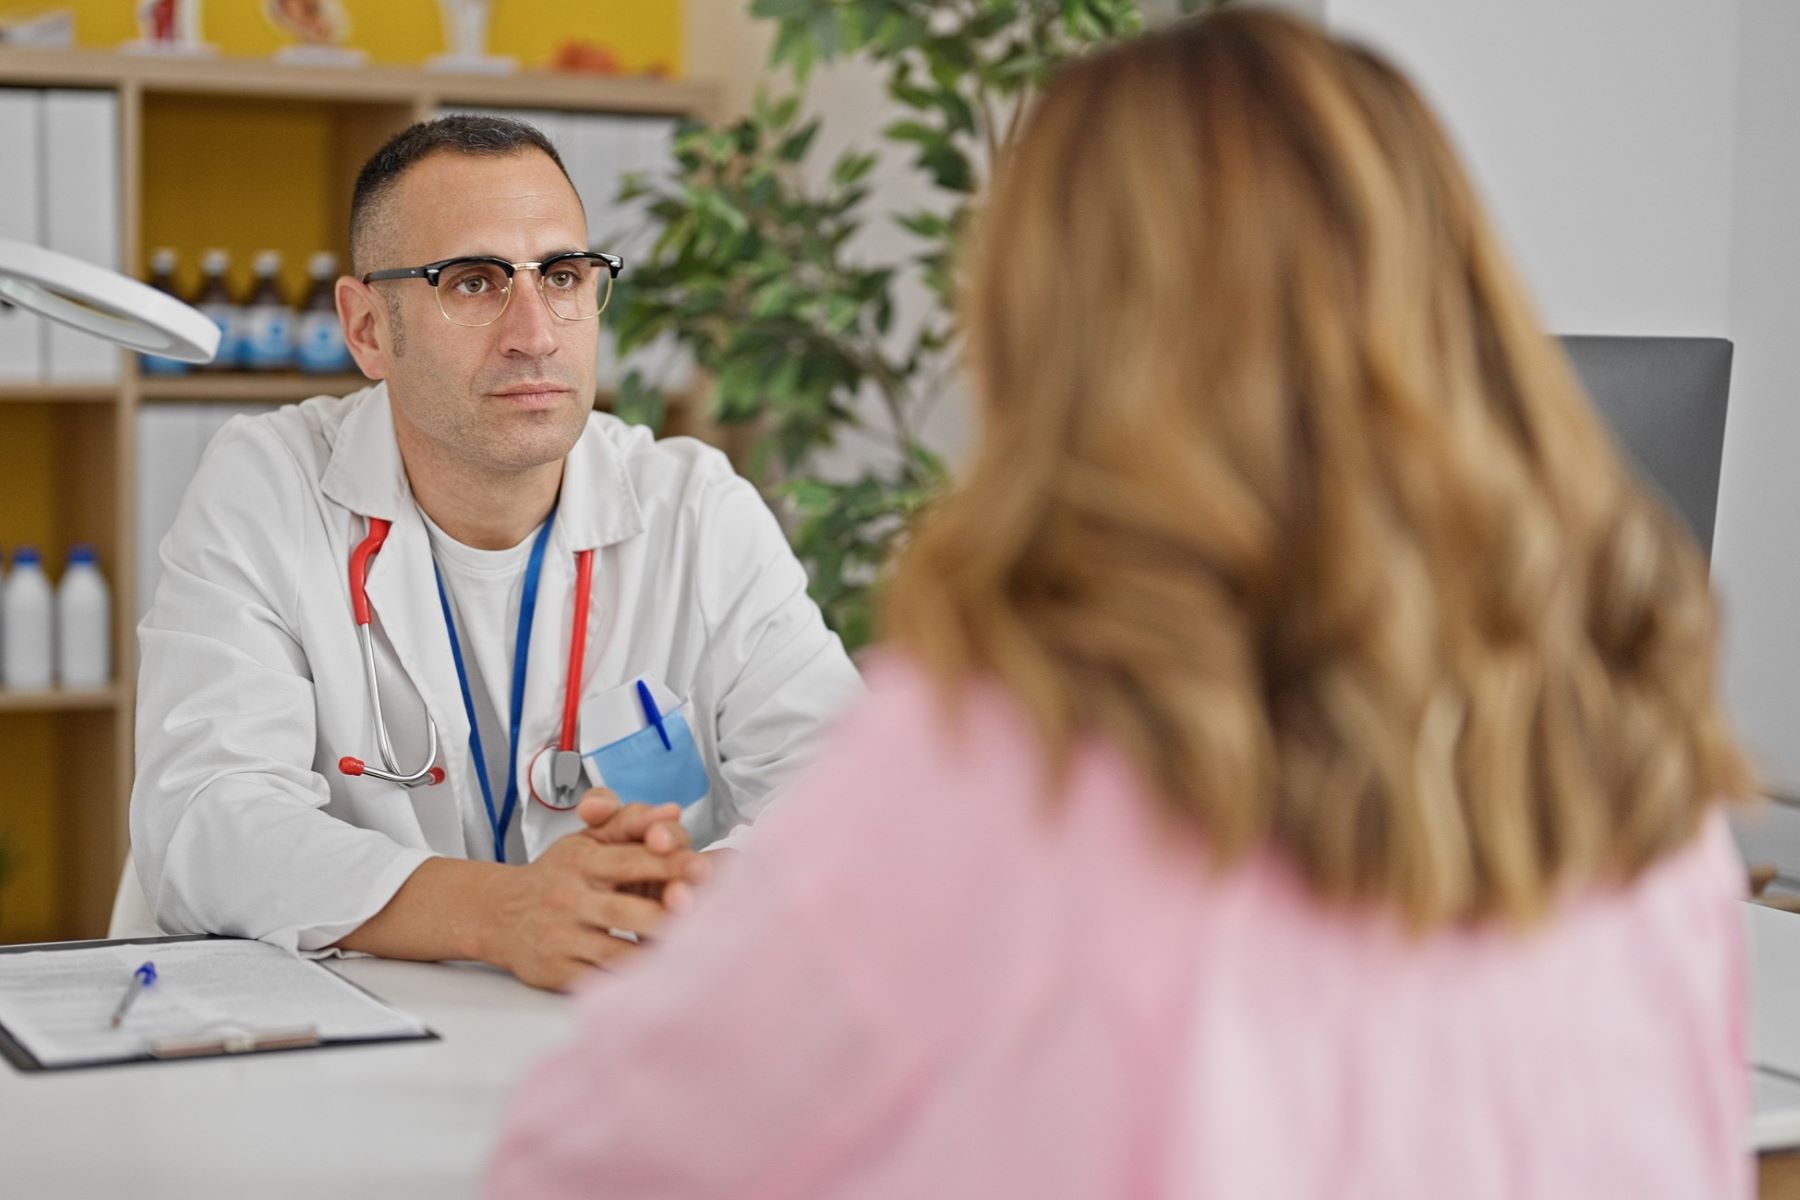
(958, 736)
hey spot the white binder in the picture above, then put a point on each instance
(80, 181)
(22, 335)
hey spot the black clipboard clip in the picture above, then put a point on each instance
(234, 1041)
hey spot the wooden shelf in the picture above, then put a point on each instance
(270, 78)
(73, 393)
(60, 700)
(241, 387)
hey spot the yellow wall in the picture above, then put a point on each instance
(29, 901)
(643, 34)
(211, 180)
(30, 825)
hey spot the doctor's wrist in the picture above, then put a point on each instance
(501, 894)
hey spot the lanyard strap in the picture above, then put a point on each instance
(521, 650)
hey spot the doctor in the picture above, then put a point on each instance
(547, 598)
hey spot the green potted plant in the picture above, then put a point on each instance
(752, 274)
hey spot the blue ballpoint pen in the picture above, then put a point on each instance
(652, 715)
(141, 978)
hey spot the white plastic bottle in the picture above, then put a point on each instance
(162, 278)
(319, 341)
(27, 623)
(268, 319)
(216, 301)
(83, 623)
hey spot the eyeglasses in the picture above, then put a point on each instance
(474, 291)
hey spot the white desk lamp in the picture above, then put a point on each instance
(104, 303)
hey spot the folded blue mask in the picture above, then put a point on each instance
(643, 771)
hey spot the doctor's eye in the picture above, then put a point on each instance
(571, 275)
(472, 279)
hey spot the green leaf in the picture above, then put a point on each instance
(949, 168)
(774, 299)
(641, 404)
(852, 168)
(782, 10)
(783, 112)
(912, 131)
(794, 147)
(957, 111)
(925, 224)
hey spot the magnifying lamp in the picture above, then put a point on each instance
(104, 303)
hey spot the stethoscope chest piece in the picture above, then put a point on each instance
(556, 778)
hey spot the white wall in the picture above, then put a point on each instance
(1757, 552)
(1600, 132)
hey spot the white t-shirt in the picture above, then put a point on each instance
(485, 588)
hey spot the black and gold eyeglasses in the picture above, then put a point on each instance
(475, 291)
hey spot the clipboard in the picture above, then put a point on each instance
(226, 1043)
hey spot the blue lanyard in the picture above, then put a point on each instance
(521, 649)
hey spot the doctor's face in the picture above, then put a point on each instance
(502, 397)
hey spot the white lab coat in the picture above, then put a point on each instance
(252, 689)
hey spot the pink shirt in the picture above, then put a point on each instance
(928, 982)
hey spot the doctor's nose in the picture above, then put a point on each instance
(528, 327)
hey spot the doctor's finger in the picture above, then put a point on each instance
(597, 949)
(629, 863)
(616, 910)
(666, 837)
(598, 805)
(633, 822)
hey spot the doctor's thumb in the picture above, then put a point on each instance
(597, 806)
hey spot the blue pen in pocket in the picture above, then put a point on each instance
(654, 717)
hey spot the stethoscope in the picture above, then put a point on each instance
(562, 789)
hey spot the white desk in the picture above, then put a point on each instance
(389, 1121)
(1774, 943)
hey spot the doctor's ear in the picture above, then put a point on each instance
(368, 331)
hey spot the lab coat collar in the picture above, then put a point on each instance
(365, 473)
(598, 507)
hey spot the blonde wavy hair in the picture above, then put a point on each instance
(1284, 492)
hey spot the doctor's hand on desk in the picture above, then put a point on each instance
(546, 921)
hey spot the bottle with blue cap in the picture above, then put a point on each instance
(162, 278)
(319, 342)
(268, 319)
(27, 623)
(83, 622)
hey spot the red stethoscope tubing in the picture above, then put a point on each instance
(584, 586)
(359, 567)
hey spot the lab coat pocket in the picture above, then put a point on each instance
(655, 765)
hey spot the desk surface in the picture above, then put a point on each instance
(391, 1121)
(1774, 945)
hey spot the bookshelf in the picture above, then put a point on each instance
(292, 139)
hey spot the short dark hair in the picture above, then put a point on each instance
(460, 133)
